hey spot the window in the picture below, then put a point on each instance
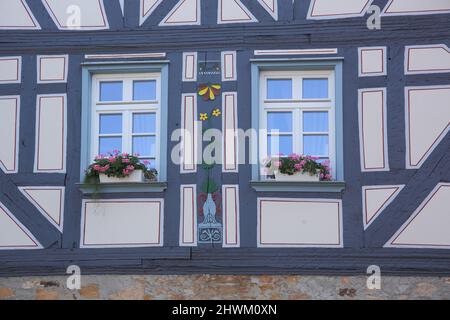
(126, 115)
(297, 112)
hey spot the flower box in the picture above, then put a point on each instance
(298, 176)
(135, 176)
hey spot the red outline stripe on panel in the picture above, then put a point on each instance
(63, 128)
(225, 71)
(383, 71)
(236, 240)
(368, 2)
(432, 146)
(299, 244)
(416, 214)
(193, 216)
(122, 244)
(100, 6)
(15, 134)
(382, 130)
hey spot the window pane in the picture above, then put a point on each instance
(144, 90)
(281, 121)
(144, 123)
(110, 123)
(151, 162)
(108, 144)
(315, 121)
(315, 145)
(144, 146)
(111, 91)
(279, 144)
(279, 89)
(315, 88)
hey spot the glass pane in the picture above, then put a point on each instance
(315, 145)
(144, 146)
(144, 90)
(315, 121)
(281, 121)
(150, 162)
(110, 123)
(279, 89)
(279, 144)
(111, 91)
(144, 123)
(315, 88)
(108, 144)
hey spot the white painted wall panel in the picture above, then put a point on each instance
(427, 59)
(189, 136)
(51, 129)
(332, 9)
(372, 130)
(230, 200)
(122, 223)
(9, 131)
(52, 69)
(16, 15)
(299, 222)
(10, 69)
(188, 215)
(416, 7)
(230, 127)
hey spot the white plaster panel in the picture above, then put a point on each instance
(13, 234)
(294, 52)
(427, 59)
(190, 66)
(77, 14)
(372, 61)
(122, 223)
(229, 72)
(16, 14)
(51, 132)
(185, 12)
(230, 127)
(332, 9)
(429, 225)
(189, 134)
(52, 69)
(49, 201)
(188, 215)
(416, 7)
(9, 131)
(10, 69)
(299, 222)
(376, 199)
(233, 11)
(230, 200)
(372, 130)
(427, 121)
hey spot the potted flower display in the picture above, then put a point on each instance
(298, 168)
(119, 167)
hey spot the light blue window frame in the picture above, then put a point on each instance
(336, 64)
(91, 68)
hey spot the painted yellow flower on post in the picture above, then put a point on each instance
(203, 116)
(216, 113)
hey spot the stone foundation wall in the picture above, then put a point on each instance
(223, 287)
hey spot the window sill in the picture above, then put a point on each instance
(297, 186)
(136, 187)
